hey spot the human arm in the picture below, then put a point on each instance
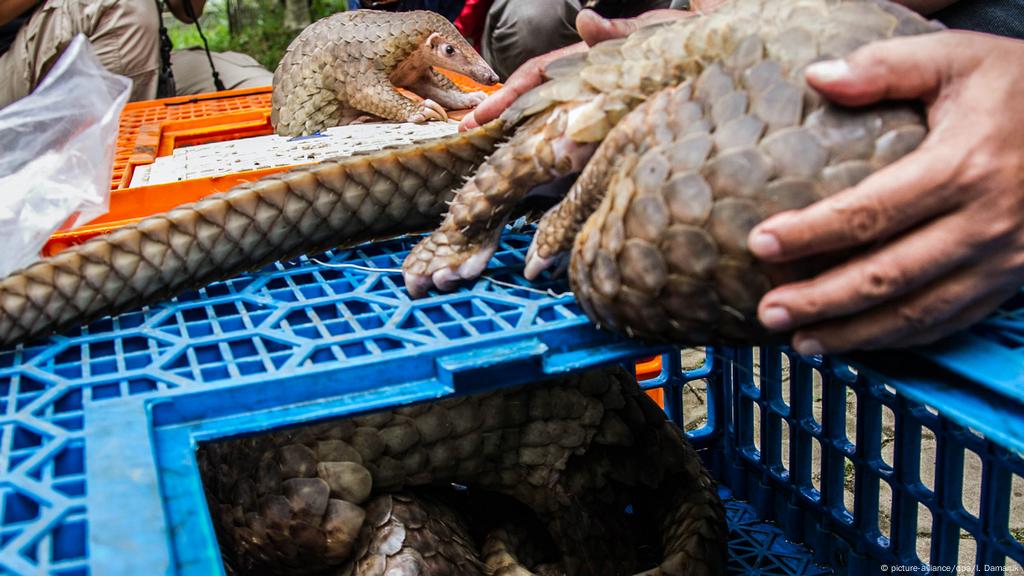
(520, 82)
(11, 9)
(941, 231)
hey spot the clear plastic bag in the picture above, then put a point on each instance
(56, 153)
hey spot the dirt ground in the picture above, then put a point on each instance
(695, 415)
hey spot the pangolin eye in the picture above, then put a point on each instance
(449, 49)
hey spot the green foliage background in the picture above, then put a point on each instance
(259, 27)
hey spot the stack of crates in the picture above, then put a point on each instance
(903, 461)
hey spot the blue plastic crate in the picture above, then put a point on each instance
(842, 457)
(100, 425)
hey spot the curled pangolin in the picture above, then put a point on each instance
(601, 472)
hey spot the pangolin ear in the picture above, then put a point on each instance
(434, 39)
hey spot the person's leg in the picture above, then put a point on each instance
(517, 30)
(192, 73)
(1002, 17)
(122, 33)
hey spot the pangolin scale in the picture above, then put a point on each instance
(688, 134)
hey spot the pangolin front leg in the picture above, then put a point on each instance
(675, 187)
(460, 248)
(439, 88)
(378, 97)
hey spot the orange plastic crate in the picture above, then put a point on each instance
(646, 369)
(156, 128)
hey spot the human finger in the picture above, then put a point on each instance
(524, 79)
(593, 28)
(898, 69)
(912, 189)
(961, 320)
(881, 275)
(899, 321)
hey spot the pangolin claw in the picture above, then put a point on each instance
(436, 263)
(535, 263)
(351, 63)
(705, 127)
(430, 111)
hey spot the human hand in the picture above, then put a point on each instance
(942, 229)
(525, 78)
(592, 29)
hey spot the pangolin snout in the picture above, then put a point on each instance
(485, 76)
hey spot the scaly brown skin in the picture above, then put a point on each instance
(575, 451)
(407, 534)
(729, 135)
(346, 67)
(663, 255)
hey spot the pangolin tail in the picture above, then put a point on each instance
(337, 202)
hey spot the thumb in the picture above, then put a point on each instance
(899, 69)
(594, 28)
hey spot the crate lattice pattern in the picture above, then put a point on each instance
(895, 480)
(139, 114)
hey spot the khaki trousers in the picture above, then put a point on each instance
(236, 70)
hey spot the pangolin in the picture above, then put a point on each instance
(345, 67)
(589, 458)
(686, 135)
(698, 130)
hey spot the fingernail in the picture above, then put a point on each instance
(808, 347)
(776, 318)
(588, 14)
(829, 71)
(764, 245)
